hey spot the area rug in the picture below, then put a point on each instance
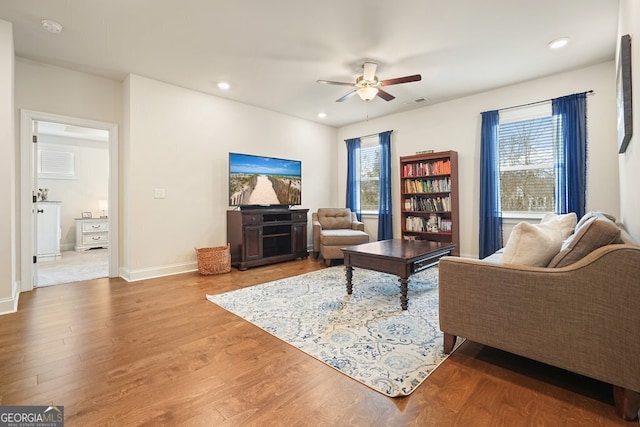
(366, 335)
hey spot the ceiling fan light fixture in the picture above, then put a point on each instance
(367, 93)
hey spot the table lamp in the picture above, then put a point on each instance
(103, 205)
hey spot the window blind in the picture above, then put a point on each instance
(57, 162)
(369, 174)
(528, 151)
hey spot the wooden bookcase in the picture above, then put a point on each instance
(429, 197)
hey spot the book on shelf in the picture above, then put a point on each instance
(437, 167)
(442, 185)
(433, 224)
(427, 204)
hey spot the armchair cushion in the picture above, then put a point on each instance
(334, 218)
(345, 237)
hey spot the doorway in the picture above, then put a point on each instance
(74, 164)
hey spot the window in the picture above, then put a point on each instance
(369, 174)
(528, 152)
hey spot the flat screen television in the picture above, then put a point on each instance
(264, 181)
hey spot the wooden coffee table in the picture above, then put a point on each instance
(398, 256)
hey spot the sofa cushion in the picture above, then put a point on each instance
(343, 237)
(495, 257)
(594, 232)
(533, 244)
(334, 218)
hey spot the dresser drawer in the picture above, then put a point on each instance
(90, 227)
(91, 233)
(93, 238)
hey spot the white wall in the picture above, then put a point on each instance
(50, 89)
(629, 23)
(81, 194)
(455, 125)
(178, 140)
(8, 253)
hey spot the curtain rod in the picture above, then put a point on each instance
(589, 92)
(373, 134)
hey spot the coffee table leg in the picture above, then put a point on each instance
(404, 285)
(349, 273)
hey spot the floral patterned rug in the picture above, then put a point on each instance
(365, 335)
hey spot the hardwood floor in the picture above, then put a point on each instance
(156, 352)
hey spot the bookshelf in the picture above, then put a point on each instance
(429, 197)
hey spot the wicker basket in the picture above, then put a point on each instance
(214, 260)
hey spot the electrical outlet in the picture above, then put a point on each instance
(158, 193)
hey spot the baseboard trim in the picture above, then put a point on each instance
(10, 305)
(151, 273)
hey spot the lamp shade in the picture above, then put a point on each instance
(103, 205)
(367, 93)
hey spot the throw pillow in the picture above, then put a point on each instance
(593, 214)
(594, 232)
(533, 244)
(567, 222)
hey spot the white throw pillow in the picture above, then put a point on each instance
(567, 222)
(534, 244)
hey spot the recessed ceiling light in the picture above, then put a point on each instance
(558, 43)
(322, 115)
(224, 86)
(51, 26)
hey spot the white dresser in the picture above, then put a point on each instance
(91, 233)
(49, 231)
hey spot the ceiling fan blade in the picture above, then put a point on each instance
(329, 82)
(397, 81)
(347, 96)
(385, 95)
(369, 71)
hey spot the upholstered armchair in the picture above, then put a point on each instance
(333, 229)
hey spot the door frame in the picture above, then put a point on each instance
(27, 251)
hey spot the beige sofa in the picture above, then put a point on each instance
(583, 317)
(333, 229)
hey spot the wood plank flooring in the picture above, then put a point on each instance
(156, 352)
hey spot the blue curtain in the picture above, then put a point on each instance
(353, 176)
(490, 211)
(385, 224)
(570, 113)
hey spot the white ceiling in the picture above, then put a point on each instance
(273, 51)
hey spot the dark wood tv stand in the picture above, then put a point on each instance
(266, 235)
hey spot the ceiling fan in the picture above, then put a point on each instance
(367, 86)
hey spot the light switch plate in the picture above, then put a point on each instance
(158, 193)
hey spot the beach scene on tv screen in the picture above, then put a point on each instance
(255, 180)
